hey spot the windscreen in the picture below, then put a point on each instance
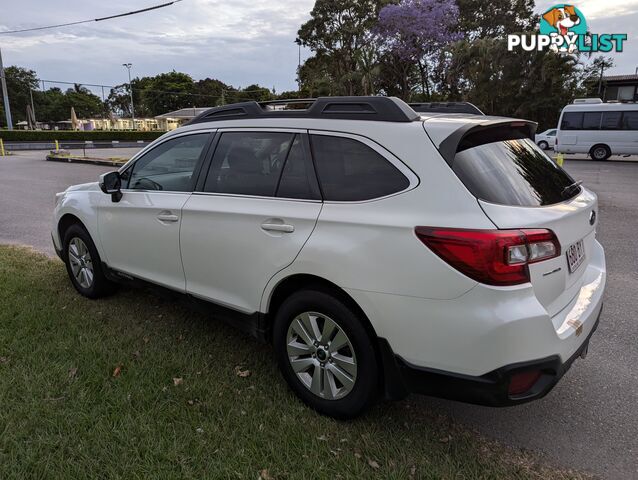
(512, 171)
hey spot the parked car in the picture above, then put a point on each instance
(547, 139)
(598, 129)
(381, 251)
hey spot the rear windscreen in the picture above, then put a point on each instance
(513, 171)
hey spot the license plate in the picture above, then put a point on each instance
(575, 256)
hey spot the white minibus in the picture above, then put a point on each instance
(598, 129)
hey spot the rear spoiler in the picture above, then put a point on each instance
(493, 130)
(446, 107)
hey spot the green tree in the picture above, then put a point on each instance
(495, 18)
(593, 84)
(251, 92)
(85, 103)
(293, 94)
(397, 77)
(50, 105)
(119, 99)
(336, 33)
(167, 92)
(211, 92)
(533, 85)
(20, 81)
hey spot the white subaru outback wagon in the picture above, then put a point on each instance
(381, 251)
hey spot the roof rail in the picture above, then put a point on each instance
(446, 107)
(380, 109)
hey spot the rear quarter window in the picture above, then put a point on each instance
(349, 170)
(513, 172)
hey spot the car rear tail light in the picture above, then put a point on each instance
(522, 382)
(493, 257)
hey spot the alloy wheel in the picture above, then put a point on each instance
(81, 262)
(321, 355)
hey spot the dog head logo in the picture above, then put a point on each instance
(562, 18)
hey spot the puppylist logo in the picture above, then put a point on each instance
(563, 29)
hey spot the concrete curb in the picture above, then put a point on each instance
(90, 161)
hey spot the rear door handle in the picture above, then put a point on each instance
(278, 227)
(167, 217)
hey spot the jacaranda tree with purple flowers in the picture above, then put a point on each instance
(414, 30)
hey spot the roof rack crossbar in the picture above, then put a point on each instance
(382, 109)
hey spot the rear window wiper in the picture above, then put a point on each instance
(569, 187)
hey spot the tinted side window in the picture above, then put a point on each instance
(611, 120)
(572, 121)
(591, 120)
(348, 170)
(298, 179)
(169, 166)
(630, 120)
(248, 163)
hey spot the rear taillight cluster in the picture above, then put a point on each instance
(493, 257)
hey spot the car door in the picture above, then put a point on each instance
(250, 216)
(140, 233)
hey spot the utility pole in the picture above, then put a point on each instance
(130, 89)
(299, 67)
(5, 95)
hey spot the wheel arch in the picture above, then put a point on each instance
(302, 281)
(596, 145)
(389, 376)
(66, 221)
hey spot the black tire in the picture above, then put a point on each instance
(364, 391)
(600, 152)
(543, 145)
(99, 285)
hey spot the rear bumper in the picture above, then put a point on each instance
(490, 389)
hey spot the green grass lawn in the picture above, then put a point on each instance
(136, 386)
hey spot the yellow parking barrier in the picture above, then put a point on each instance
(560, 159)
(1, 147)
(57, 146)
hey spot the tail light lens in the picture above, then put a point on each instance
(493, 257)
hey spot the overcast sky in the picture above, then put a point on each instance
(237, 41)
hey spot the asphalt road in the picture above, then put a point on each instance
(28, 185)
(589, 422)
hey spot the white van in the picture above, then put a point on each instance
(598, 129)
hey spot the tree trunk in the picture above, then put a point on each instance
(425, 86)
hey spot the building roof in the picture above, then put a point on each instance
(620, 78)
(184, 113)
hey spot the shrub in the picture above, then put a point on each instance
(70, 135)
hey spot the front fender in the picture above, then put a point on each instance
(83, 205)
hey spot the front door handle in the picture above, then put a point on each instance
(167, 217)
(278, 227)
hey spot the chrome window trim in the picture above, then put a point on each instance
(258, 197)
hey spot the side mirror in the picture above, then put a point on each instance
(111, 184)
